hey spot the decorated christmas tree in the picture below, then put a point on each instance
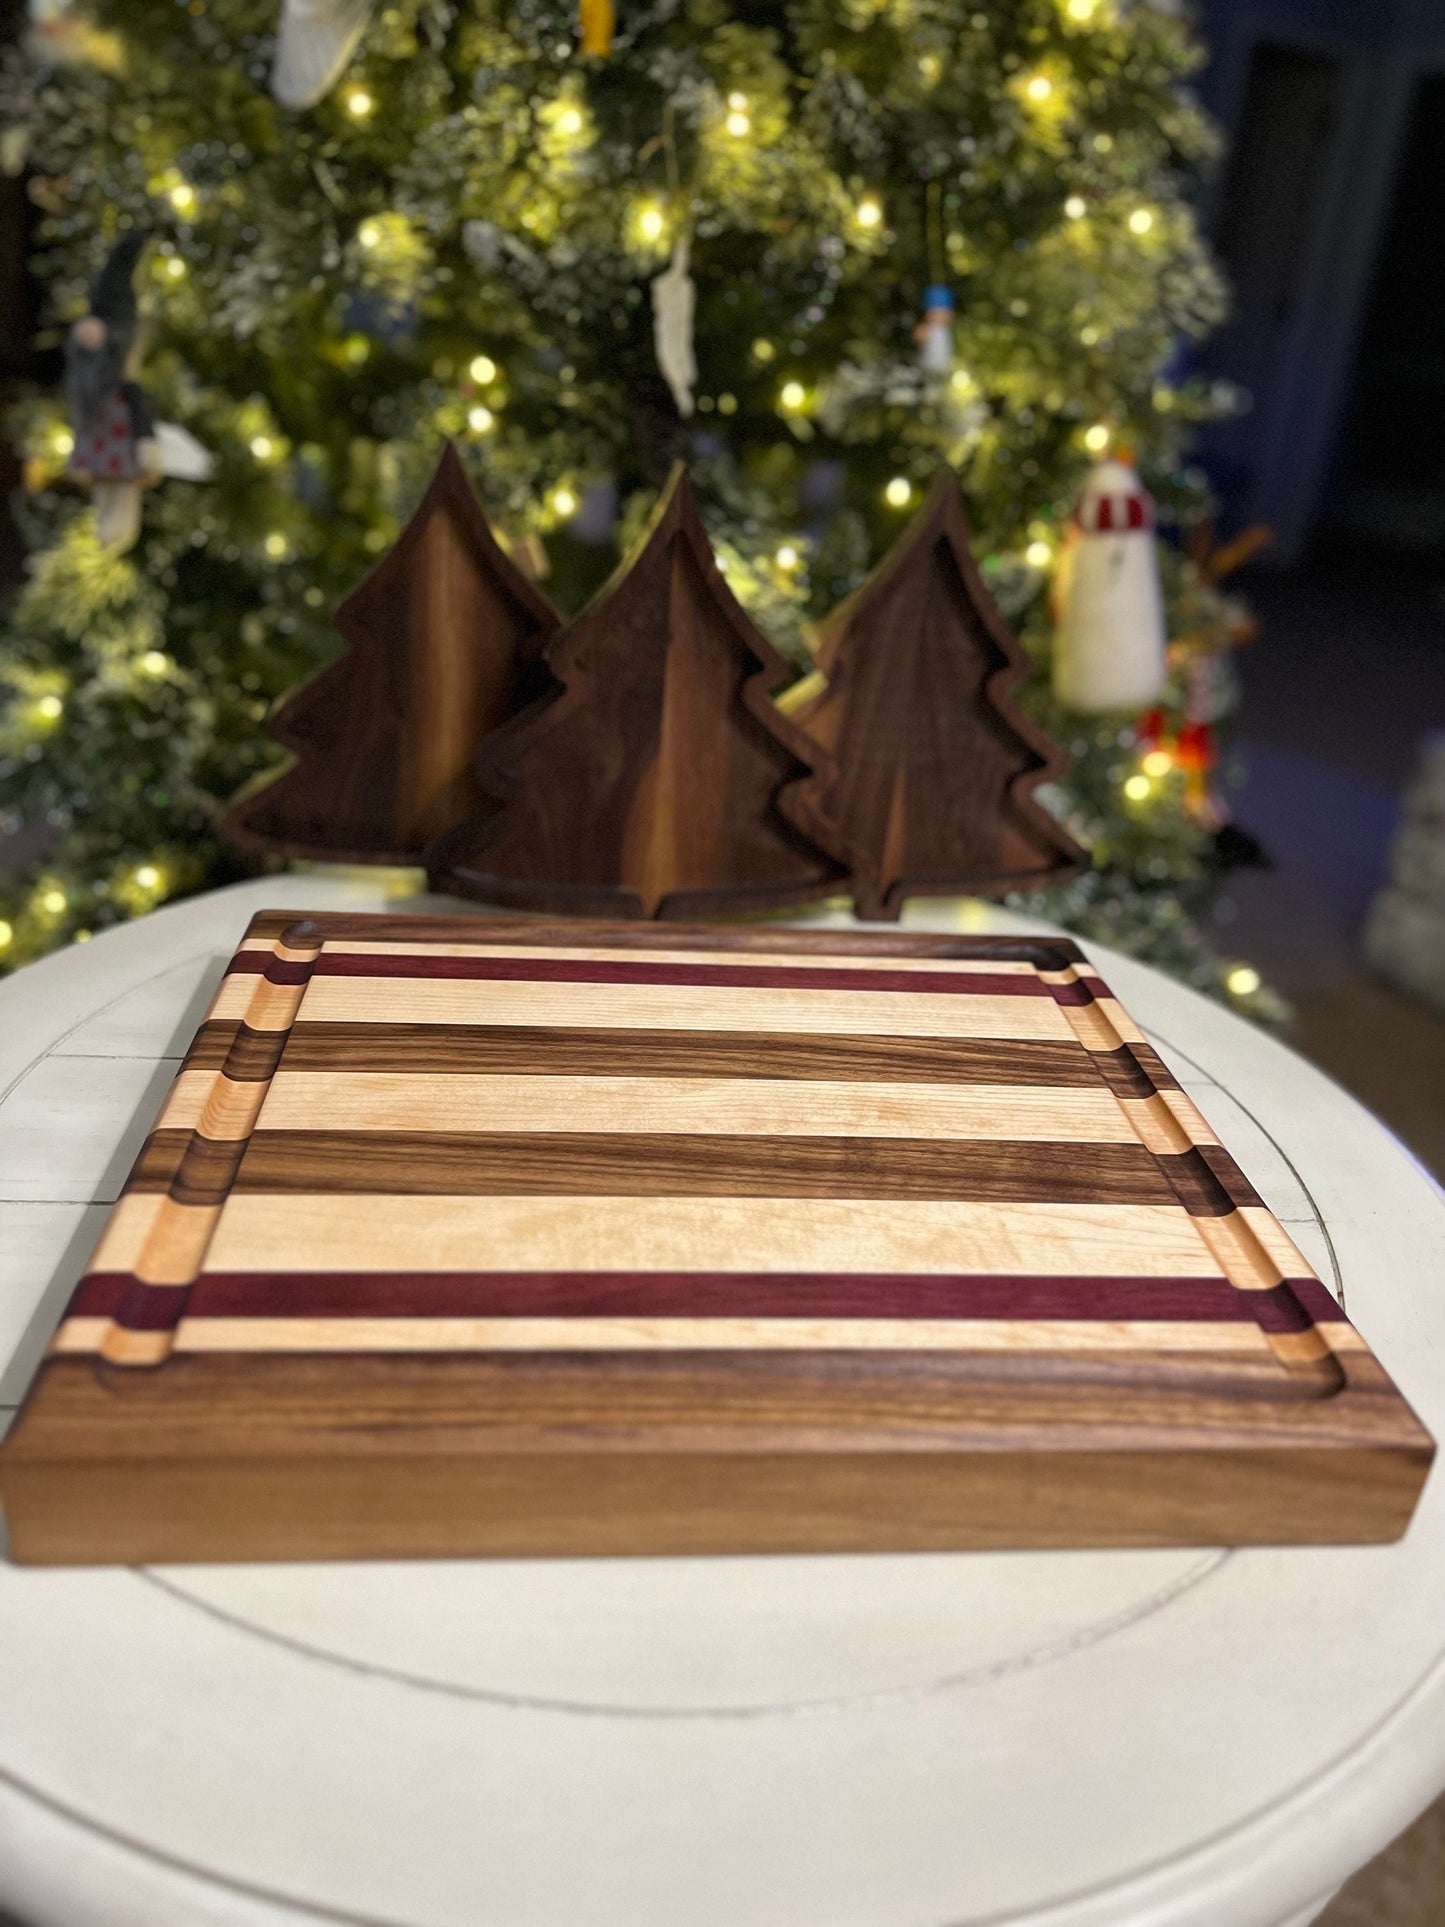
(818, 249)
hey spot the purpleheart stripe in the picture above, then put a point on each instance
(693, 1295)
(119, 1295)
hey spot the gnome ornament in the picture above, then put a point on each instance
(1109, 646)
(934, 334)
(115, 450)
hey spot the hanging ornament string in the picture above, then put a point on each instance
(933, 222)
(597, 22)
(934, 333)
(674, 293)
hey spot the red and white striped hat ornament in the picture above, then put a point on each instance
(1110, 638)
(1113, 498)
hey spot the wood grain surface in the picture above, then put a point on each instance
(927, 787)
(459, 1236)
(445, 642)
(648, 786)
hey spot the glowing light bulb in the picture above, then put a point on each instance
(62, 441)
(7, 934)
(147, 876)
(1158, 762)
(52, 901)
(1140, 221)
(650, 223)
(479, 420)
(1038, 555)
(961, 382)
(738, 125)
(564, 502)
(359, 103)
(793, 395)
(369, 234)
(870, 213)
(763, 350)
(1242, 981)
(787, 557)
(569, 121)
(155, 662)
(275, 545)
(357, 349)
(1039, 87)
(738, 102)
(1096, 439)
(899, 492)
(930, 67)
(482, 369)
(262, 446)
(1075, 207)
(175, 267)
(727, 404)
(1081, 10)
(183, 197)
(1137, 788)
(51, 708)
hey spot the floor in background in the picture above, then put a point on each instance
(1346, 679)
(1344, 683)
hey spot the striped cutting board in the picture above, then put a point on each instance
(459, 1236)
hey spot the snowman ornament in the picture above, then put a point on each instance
(1109, 651)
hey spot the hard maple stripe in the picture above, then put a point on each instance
(376, 1101)
(669, 1007)
(269, 1231)
(702, 1294)
(706, 1334)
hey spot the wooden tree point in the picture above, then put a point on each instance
(927, 784)
(446, 641)
(647, 787)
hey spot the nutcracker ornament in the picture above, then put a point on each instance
(115, 452)
(1109, 646)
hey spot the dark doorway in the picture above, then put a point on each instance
(1268, 214)
(1389, 486)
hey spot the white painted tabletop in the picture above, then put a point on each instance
(1195, 1737)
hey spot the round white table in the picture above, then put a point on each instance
(1196, 1737)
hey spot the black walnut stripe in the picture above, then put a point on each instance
(248, 1056)
(546, 1051)
(666, 1164)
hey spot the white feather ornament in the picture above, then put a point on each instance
(674, 303)
(314, 42)
(182, 457)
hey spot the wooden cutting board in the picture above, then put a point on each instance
(461, 1236)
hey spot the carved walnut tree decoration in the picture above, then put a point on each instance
(446, 641)
(648, 786)
(927, 785)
